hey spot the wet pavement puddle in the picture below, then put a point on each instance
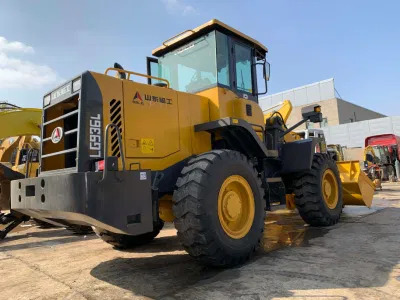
(285, 228)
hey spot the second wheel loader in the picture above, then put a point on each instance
(192, 146)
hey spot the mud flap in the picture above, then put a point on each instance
(358, 189)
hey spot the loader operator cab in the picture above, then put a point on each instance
(212, 55)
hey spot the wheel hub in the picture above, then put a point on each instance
(327, 189)
(330, 187)
(232, 206)
(236, 206)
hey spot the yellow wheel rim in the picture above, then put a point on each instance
(236, 206)
(330, 189)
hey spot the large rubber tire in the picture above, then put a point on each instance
(80, 229)
(309, 194)
(196, 208)
(44, 225)
(124, 241)
(391, 173)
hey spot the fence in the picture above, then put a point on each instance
(354, 134)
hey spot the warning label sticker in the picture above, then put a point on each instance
(147, 145)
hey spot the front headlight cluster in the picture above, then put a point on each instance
(46, 100)
(76, 86)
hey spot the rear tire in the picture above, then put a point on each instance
(219, 208)
(125, 241)
(80, 229)
(43, 225)
(311, 189)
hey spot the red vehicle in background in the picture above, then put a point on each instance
(389, 162)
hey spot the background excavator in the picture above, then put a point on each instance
(19, 158)
(19, 155)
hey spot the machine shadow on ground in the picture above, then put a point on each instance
(285, 252)
(46, 236)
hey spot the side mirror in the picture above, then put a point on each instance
(262, 70)
(267, 70)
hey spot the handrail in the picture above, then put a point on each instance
(137, 74)
(176, 36)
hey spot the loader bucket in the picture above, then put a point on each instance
(358, 189)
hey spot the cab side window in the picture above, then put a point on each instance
(222, 59)
(243, 63)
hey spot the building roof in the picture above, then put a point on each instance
(190, 34)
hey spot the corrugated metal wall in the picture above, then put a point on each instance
(318, 91)
(354, 134)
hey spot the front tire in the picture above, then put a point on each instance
(318, 192)
(219, 208)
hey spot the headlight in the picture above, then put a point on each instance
(46, 100)
(76, 85)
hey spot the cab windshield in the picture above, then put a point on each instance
(193, 67)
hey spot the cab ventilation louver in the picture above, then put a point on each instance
(115, 118)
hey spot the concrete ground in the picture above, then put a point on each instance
(359, 258)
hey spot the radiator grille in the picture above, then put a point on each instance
(61, 155)
(115, 118)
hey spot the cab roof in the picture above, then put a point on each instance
(191, 34)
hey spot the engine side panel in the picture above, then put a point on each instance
(151, 121)
(156, 123)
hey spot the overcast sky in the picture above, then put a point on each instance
(43, 43)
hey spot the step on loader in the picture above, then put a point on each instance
(191, 146)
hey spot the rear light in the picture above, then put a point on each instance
(99, 165)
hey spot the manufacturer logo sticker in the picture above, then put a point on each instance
(137, 98)
(57, 135)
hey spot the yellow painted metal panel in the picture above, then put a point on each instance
(151, 113)
(225, 103)
(157, 114)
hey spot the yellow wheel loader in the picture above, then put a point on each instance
(191, 146)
